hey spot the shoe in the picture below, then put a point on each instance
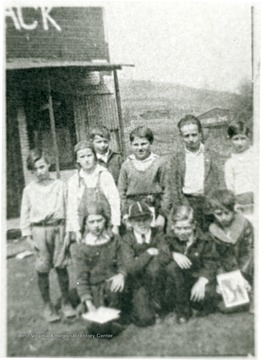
(50, 314)
(181, 319)
(68, 310)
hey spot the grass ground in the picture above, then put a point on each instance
(28, 335)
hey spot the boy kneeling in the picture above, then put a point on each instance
(190, 265)
(140, 250)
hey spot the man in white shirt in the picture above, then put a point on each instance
(195, 170)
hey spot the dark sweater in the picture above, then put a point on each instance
(154, 180)
(135, 255)
(201, 253)
(235, 252)
(113, 164)
(95, 264)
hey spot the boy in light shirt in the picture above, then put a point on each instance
(43, 226)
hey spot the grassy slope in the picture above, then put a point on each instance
(216, 334)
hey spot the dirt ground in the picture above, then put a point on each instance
(28, 335)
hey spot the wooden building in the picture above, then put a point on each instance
(56, 59)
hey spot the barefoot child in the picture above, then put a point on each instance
(100, 137)
(99, 270)
(190, 262)
(43, 225)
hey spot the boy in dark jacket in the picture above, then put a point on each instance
(100, 137)
(233, 236)
(190, 262)
(140, 250)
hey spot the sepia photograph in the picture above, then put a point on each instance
(130, 178)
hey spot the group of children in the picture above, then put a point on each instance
(145, 237)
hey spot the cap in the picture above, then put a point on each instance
(139, 209)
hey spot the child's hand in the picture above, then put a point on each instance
(117, 282)
(160, 222)
(246, 284)
(115, 229)
(78, 237)
(126, 222)
(90, 306)
(198, 290)
(30, 241)
(153, 251)
(67, 239)
(182, 260)
(218, 290)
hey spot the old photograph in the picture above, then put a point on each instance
(131, 178)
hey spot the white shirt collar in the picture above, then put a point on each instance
(139, 237)
(200, 150)
(152, 157)
(103, 157)
(91, 239)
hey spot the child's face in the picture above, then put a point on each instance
(240, 143)
(183, 229)
(86, 159)
(41, 169)
(95, 224)
(101, 144)
(224, 217)
(142, 225)
(191, 136)
(141, 148)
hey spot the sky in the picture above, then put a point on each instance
(195, 43)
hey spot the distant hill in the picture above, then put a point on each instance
(178, 98)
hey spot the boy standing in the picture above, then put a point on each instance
(240, 168)
(140, 250)
(43, 225)
(100, 137)
(144, 177)
(195, 170)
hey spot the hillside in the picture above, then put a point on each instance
(177, 98)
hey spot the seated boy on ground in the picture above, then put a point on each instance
(233, 236)
(190, 264)
(140, 250)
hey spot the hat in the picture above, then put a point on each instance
(139, 209)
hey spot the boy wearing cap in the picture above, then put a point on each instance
(140, 250)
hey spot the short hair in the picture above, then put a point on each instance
(182, 212)
(190, 119)
(35, 155)
(97, 208)
(236, 128)
(219, 200)
(100, 131)
(84, 144)
(142, 132)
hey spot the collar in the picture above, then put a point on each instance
(152, 157)
(103, 157)
(200, 150)
(91, 239)
(140, 239)
(236, 229)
